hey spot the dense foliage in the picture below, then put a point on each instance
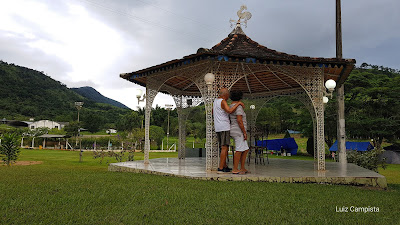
(369, 160)
(26, 93)
(373, 105)
(92, 94)
(371, 101)
(372, 109)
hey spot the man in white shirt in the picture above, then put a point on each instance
(222, 125)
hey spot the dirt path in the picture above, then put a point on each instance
(23, 163)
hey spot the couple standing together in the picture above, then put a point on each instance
(230, 121)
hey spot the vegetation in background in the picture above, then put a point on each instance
(27, 93)
(372, 108)
(92, 94)
(373, 105)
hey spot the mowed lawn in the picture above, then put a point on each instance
(64, 191)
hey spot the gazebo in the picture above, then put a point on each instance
(240, 63)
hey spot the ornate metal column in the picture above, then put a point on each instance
(182, 117)
(209, 94)
(212, 155)
(312, 81)
(151, 92)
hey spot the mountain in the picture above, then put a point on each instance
(26, 93)
(94, 95)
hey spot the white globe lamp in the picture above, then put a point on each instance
(138, 93)
(209, 78)
(330, 85)
(325, 99)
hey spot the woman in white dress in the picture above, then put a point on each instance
(239, 134)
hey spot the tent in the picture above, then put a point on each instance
(287, 144)
(358, 146)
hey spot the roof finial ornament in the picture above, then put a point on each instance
(243, 17)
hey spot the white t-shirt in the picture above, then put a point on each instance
(221, 118)
(235, 129)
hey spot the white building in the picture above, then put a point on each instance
(111, 131)
(47, 123)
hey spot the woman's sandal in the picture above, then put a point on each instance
(239, 173)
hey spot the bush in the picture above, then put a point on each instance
(369, 160)
(287, 134)
(10, 148)
(310, 146)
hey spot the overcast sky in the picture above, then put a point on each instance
(90, 42)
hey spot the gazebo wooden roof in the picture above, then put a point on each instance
(238, 47)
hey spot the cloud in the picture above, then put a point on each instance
(90, 42)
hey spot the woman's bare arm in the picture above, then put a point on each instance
(241, 125)
(225, 106)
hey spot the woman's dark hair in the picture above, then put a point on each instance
(236, 95)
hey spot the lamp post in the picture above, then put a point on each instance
(79, 106)
(252, 108)
(211, 157)
(330, 86)
(168, 107)
(209, 79)
(140, 96)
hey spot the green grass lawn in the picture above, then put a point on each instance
(65, 191)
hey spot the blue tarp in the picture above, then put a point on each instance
(358, 146)
(288, 144)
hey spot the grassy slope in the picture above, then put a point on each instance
(62, 190)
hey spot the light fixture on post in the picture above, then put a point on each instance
(330, 86)
(168, 107)
(78, 106)
(140, 96)
(325, 99)
(209, 79)
(252, 108)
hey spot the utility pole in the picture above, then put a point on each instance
(168, 107)
(341, 127)
(79, 106)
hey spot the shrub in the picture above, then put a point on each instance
(9, 148)
(124, 155)
(287, 134)
(310, 146)
(369, 160)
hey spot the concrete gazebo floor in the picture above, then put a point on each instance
(278, 170)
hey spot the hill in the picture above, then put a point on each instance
(27, 93)
(94, 95)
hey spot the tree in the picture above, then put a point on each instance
(72, 128)
(93, 122)
(157, 134)
(129, 121)
(269, 117)
(287, 134)
(310, 146)
(373, 105)
(9, 148)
